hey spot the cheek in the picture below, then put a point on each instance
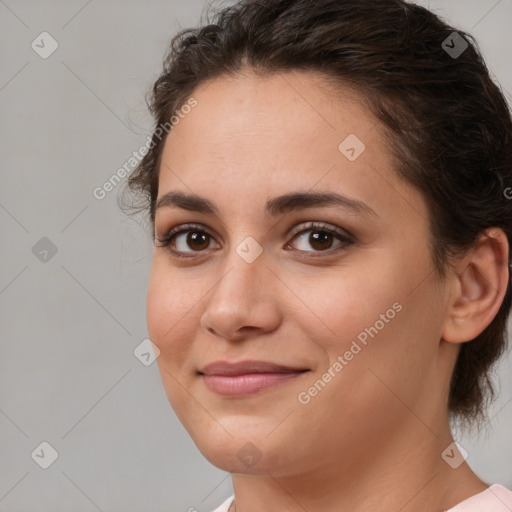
(387, 359)
(169, 328)
(374, 322)
(348, 309)
(169, 313)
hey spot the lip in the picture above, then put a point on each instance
(227, 368)
(246, 377)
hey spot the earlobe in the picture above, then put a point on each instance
(479, 283)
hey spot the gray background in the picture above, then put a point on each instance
(69, 325)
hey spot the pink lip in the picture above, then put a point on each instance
(245, 377)
(246, 384)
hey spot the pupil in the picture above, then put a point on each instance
(193, 238)
(321, 239)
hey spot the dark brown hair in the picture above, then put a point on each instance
(448, 124)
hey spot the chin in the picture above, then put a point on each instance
(243, 453)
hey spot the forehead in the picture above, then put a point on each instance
(253, 137)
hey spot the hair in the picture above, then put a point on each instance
(448, 124)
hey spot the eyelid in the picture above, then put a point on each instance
(331, 228)
(186, 227)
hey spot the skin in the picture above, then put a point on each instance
(372, 439)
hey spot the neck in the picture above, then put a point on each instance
(406, 473)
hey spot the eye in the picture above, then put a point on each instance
(196, 237)
(320, 236)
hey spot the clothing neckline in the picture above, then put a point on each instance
(494, 489)
(496, 492)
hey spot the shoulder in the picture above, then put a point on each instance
(223, 507)
(496, 498)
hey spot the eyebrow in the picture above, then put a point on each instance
(274, 206)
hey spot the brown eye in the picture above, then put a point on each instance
(320, 238)
(197, 240)
(186, 240)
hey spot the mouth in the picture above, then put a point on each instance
(246, 377)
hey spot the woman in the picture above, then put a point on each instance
(327, 186)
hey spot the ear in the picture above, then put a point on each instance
(478, 285)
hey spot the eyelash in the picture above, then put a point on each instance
(310, 226)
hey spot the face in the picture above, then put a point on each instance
(344, 290)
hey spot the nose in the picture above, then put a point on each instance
(243, 301)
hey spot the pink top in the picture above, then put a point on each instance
(495, 498)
